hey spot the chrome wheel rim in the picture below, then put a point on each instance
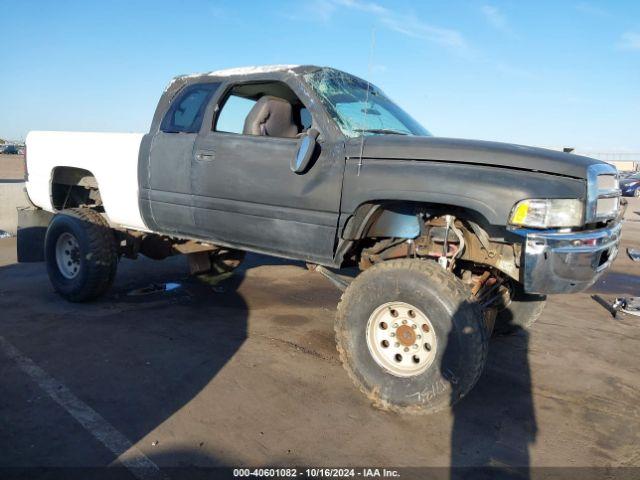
(401, 339)
(68, 256)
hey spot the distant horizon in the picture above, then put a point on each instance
(543, 73)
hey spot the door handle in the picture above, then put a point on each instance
(205, 156)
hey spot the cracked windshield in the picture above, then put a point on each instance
(360, 108)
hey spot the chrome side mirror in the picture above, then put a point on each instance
(307, 146)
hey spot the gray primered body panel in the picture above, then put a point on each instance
(143, 182)
(239, 190)
(168, 190)
(489, 191)
(455, 150)
(244, 195)
(247, 194)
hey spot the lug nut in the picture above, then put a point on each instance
(404, 322)
(392, 334)
(414, 326)
(406, 349)
(396, 345)
(395, 325)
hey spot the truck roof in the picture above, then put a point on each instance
(248, 70)
(251, 70)
(245, 71)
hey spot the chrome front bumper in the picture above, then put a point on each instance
(567, 262)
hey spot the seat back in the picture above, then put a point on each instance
(271, 116)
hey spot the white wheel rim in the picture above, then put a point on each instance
(401, 339)
(68, 255)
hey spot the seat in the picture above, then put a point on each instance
(271, 116)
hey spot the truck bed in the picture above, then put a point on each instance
(112, 158)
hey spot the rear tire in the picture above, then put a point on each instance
(521, 313)
(81, 254)
(433, 304)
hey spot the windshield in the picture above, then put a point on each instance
(357, 111)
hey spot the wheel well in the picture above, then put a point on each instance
(394, 219)
(73, 187)
(385, 230)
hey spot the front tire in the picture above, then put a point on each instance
(410, 336)
(81, 254)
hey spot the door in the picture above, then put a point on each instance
(169, 196)
(245, 194)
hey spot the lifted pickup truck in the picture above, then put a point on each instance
(456, 239)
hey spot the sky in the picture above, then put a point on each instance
(547, 73)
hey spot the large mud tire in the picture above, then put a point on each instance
(461, 340)
(81, 254)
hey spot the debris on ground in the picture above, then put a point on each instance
(628, 305)
(634, 254)
(154, 288)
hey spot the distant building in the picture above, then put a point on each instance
(625, 166)
(623, 161)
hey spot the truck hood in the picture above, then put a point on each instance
(477, 152)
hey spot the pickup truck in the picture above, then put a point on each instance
(455, 239)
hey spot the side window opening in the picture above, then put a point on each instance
(262, 109)
(186, 112)
(232, 116)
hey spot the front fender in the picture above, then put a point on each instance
(489, 192)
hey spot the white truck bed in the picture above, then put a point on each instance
(111, 157)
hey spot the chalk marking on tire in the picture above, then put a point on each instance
(139, 464)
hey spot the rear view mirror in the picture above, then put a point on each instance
(305, 151)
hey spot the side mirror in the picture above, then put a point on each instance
(305, 151)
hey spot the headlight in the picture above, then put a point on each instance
(550, 213)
